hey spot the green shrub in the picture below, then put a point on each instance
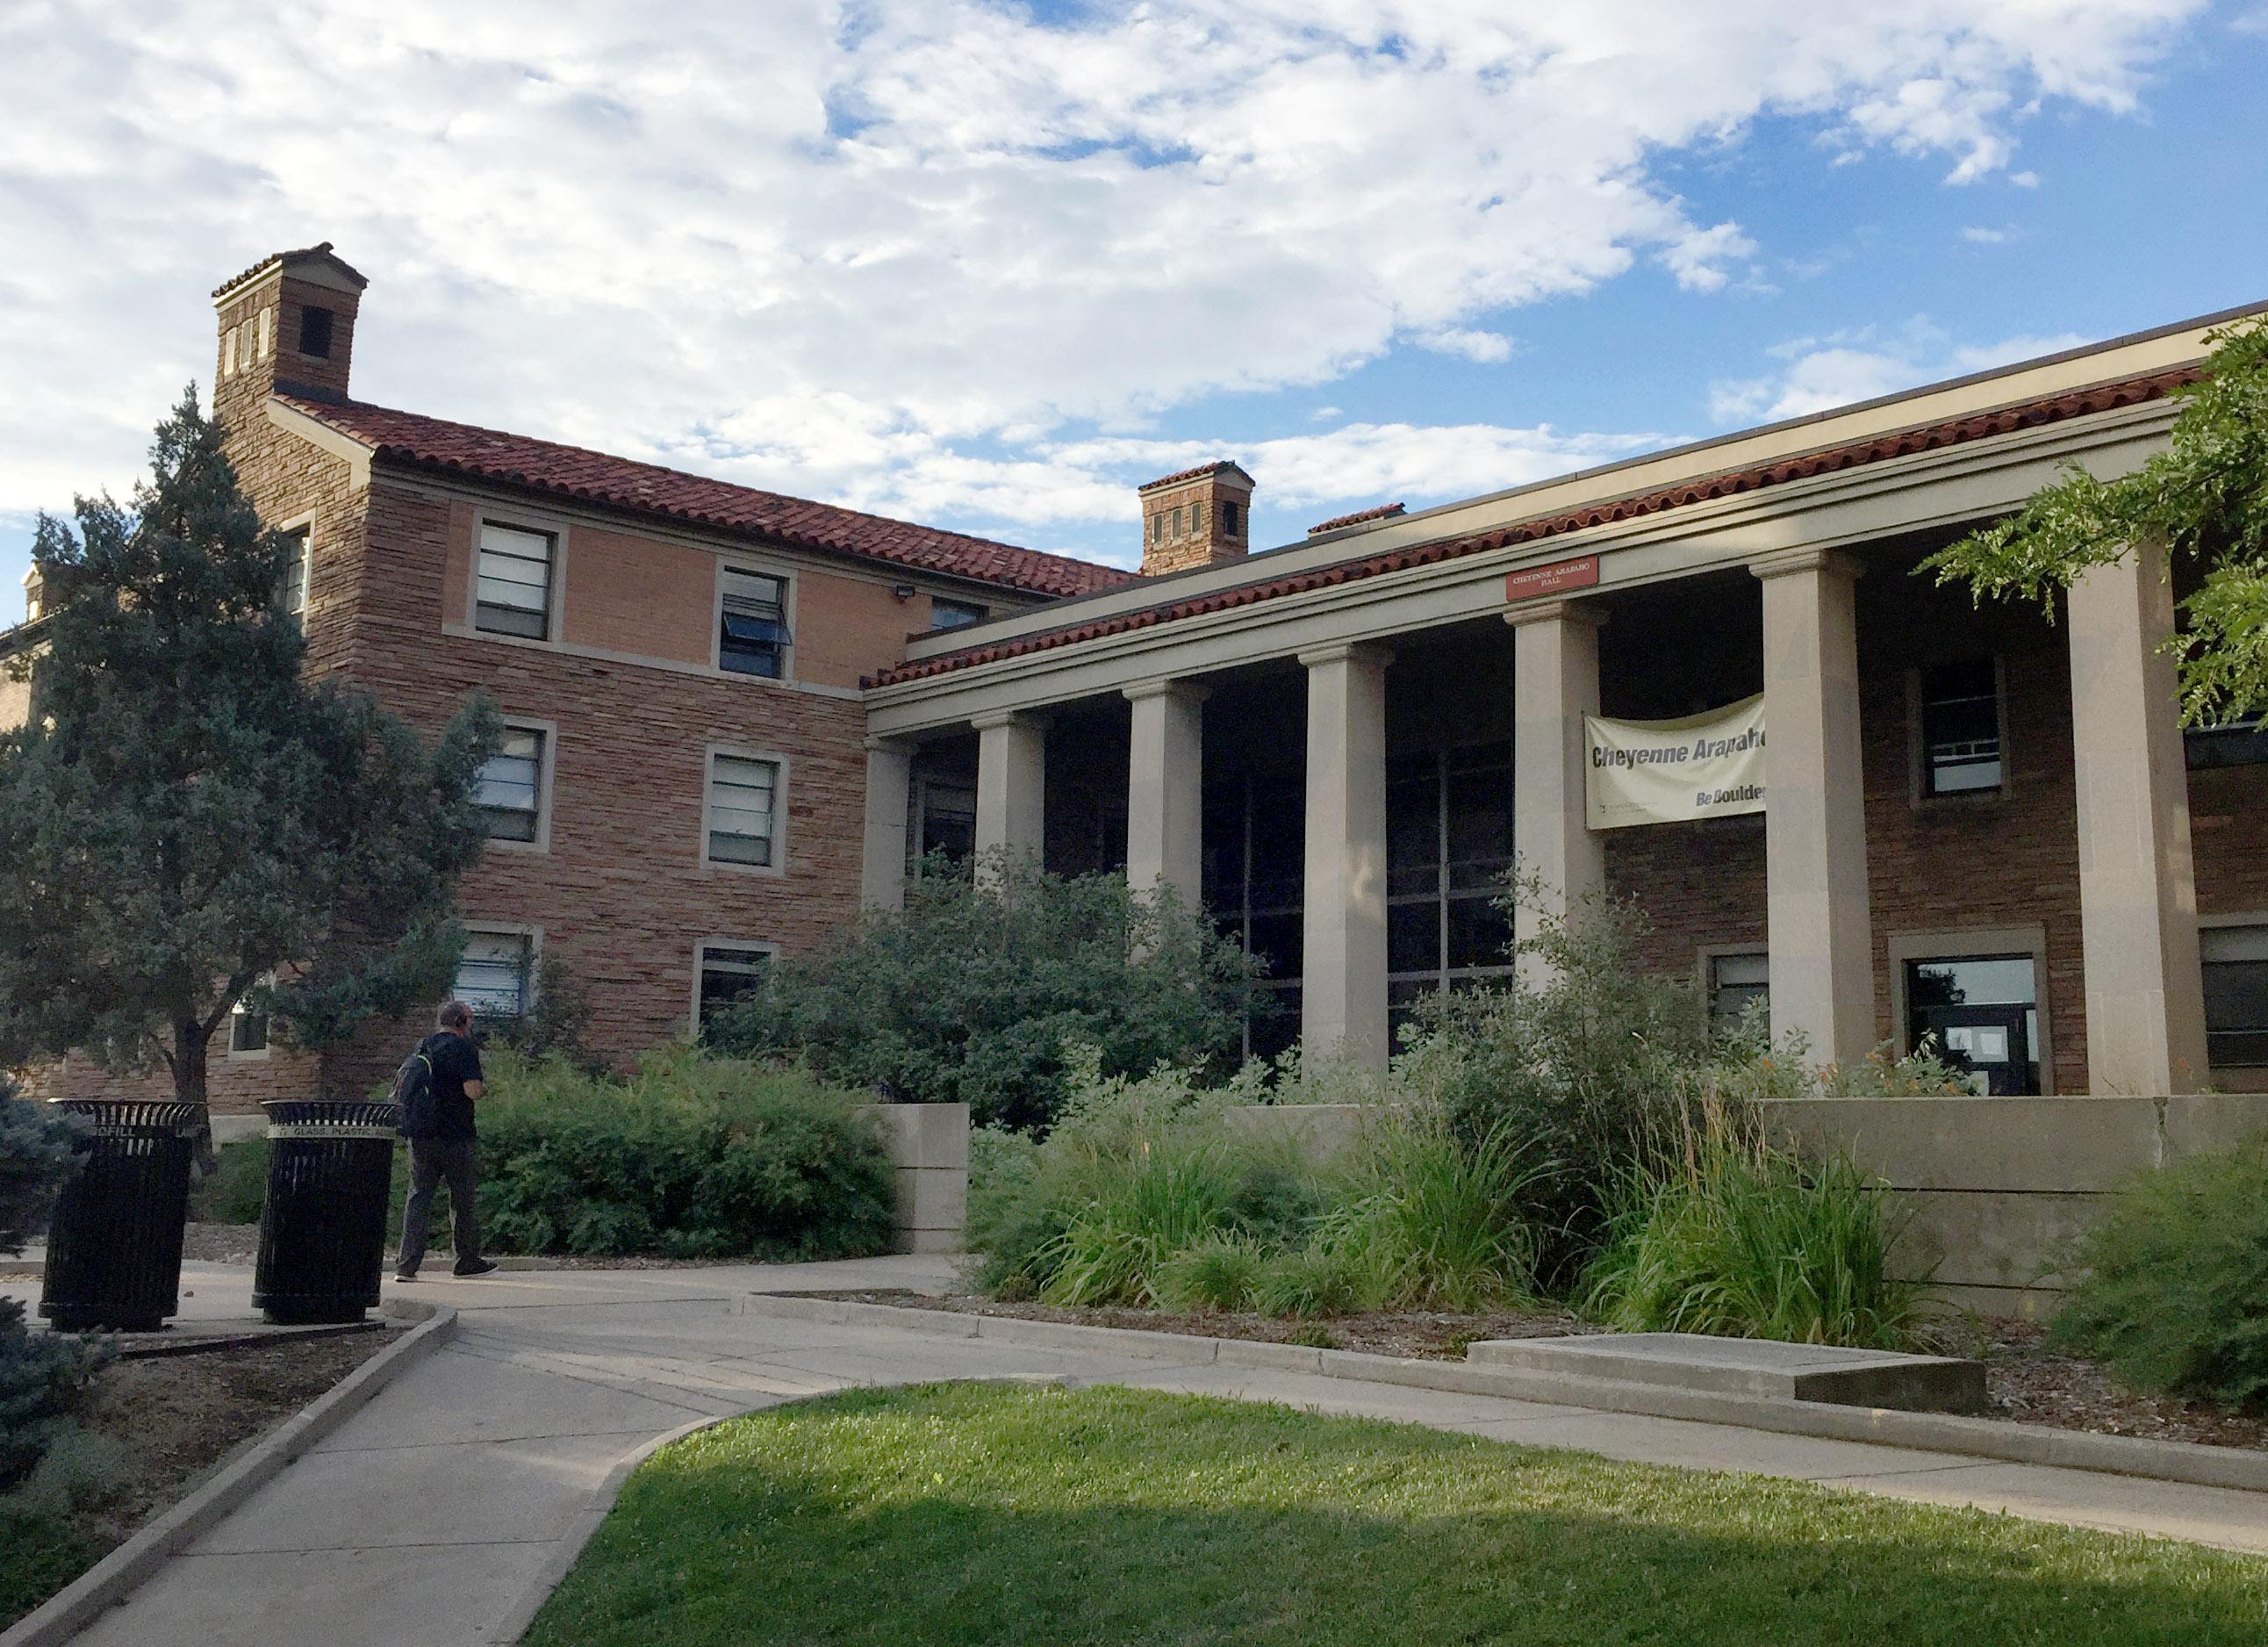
(1439, 1221)
(237, 1188)
(43, 1375)
(1745, 1239)
(690, 1157)
(1221, 1271)
(1320, 1279)
(2171, 1288)
(975, 990)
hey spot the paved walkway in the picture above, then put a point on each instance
(427, 1516)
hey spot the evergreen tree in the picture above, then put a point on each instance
(2205, 497)
(187, 820)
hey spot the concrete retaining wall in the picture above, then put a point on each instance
(1995, 1185)
(929, 1144)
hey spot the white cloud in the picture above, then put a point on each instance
(1486, 347)
(1821, 373)
(890, 252)
(1979, 236)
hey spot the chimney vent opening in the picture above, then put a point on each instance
(315, 333)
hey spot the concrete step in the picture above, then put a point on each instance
(1759, 1367)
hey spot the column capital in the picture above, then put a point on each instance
(1186, 691)
(1037, 721)
(1346, 651)
(1587, 613)
(1835, 563)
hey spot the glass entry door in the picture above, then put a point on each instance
(1981, 1014)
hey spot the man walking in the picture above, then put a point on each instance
(436, 1088)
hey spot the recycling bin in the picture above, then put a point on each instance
(115, 1242)
(322, 1233)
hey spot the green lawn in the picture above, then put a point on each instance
(1042, 1516)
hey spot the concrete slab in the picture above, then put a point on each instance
(434, 1594)
(1757, 1367)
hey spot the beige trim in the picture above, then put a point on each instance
(632, 660)
(746, 752)
(1973, 943)
(353, 453)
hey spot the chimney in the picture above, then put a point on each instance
(1201, 517)
(286, 323)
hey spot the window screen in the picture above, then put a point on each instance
(510, 785)
(741, 793)
(753, 638)
(514, 593)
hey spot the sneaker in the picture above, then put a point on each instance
(405, 1274)
(478, 1267)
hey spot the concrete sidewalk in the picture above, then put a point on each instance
(431, 1514)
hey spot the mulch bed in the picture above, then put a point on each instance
(2028, 1383)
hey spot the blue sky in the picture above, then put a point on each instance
(991, 267)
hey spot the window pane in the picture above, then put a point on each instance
(726, 975)
(740, 796)
(1278, 940)
(754, 638)
(1413, 936)
(953, 615)
(2235, 995)
(513, 582)
(248, 1031)
(509, 786)
(492, 978)
(1479, 933)
(1960, 728)
(2238, 743)
(1734, 980)
(293, 598)
(2004, 981)
(2232, 943)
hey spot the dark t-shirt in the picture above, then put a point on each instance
(455, 1061)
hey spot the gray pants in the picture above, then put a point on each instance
(432, 1161)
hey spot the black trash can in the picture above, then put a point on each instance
(114, 1244)
(322, 1234)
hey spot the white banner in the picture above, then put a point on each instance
(1665, 772)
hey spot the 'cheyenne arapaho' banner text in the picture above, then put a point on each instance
(1665, 772)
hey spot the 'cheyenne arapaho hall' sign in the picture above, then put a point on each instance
(1561, 575)
(1665, 772)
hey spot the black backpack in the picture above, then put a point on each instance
(413, 1090)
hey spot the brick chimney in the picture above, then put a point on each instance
(286, 323)
(1201, 517)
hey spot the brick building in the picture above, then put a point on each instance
(737, 714)
(677, 659)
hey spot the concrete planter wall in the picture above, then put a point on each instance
(928, 1145)
(1995, 1185)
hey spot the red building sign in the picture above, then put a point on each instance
(1555, 578)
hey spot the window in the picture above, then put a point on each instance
(726, 972)
(248, 1029)
(1158, 526)
(510, 789)
(1960, 728)
(1254, 868)
(753, 637)
(496, 978)
(293, 597)
(1734, 980)
(1449, 848)
(315, 333)
(2240, 742)
(1982, 1014)
(2235, 995)
(1197, 519)
(953, 615)
(1228, 526)
(944, 820)
(514, 592)
(1177, 520)
(742, 794)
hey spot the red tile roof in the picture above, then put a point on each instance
(320, 248)
(1201, 470)
(1958, 432)
(434, 443)
(1384, 511)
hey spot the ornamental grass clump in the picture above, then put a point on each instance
(1744, 1238)
(2171, 1288)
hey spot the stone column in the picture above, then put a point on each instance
(889, 782)
(1820, 928)
(1555, 683)
(2137, 891)
(1165, 784)
(1343, 981)
(1012, 784)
